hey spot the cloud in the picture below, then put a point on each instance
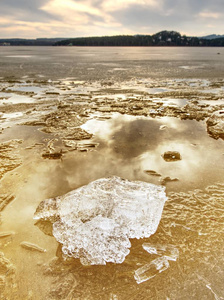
(68, 7)
(70, 18)
(114, 5)
(23, 10)
(210, 15)
(82, 17)
(82, 12)
(186, 16)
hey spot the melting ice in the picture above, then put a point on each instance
(94, 222)
(158, 265)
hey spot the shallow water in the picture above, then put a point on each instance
(123, 144)
(14, 99)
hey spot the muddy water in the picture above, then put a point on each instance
(101, 128)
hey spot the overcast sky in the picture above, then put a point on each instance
(73, 18)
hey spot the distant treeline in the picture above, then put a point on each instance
(29, 42)
(163, 38)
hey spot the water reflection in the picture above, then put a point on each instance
(175, 102)
(131, 145)
(14, 99)
(127, 147)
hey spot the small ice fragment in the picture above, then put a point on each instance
(32, 247)
(166, 179)
(168, 251)
(162, 127)
(215, 124)
(152, 172)
(153, 111)
(113, 297)
(151, 269)
(6, 234)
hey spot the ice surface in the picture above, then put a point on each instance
(94, 222)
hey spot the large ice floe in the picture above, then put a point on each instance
(94, 222)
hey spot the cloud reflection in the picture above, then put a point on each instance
(136, 144)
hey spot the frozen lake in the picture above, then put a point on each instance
(72, 115)
(112, 62)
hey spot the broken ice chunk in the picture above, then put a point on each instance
(152, 172)
(94, 222)
(6, 234)
(32, 247)
(168, 251)
(164, 180)
(97, 241)
(215, 125)
(151, 269)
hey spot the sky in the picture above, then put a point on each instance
(76, 18)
